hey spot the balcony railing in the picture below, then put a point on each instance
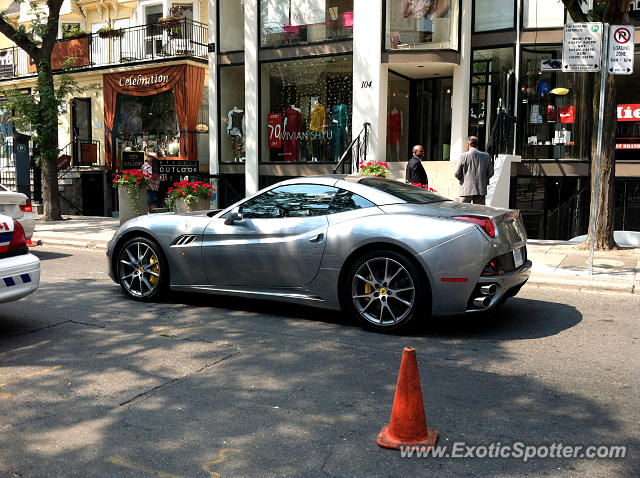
(141, 43)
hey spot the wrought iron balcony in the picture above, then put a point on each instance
(142, 43)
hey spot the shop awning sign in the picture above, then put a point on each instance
(582, 47)
(620, 60)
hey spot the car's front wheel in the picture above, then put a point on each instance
(142, 269)
(386, 290)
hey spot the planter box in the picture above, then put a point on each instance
(182, 206)
(129, 209)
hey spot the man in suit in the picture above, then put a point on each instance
(415, 171)
(474, 170)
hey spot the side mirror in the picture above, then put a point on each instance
(234, 215)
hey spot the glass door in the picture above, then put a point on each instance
(153, 34)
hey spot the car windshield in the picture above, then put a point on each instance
(403, 191)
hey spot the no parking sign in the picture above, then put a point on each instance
(620, 50)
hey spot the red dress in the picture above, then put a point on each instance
(291, 130)
(394, 124)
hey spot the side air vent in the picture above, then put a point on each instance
(183, 240)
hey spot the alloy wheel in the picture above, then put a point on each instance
(383, 291)
(139, 269)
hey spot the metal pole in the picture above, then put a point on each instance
(596, 187)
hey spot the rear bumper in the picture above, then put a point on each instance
(28, 223)
(507, 286)
(19, 276)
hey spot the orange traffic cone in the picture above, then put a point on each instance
(408, 425)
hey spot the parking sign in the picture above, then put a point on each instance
(620, 50)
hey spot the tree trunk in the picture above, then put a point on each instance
(47, 132)
(603, 238)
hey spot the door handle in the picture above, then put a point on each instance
(318, 238)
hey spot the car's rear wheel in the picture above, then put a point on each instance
(386, 290)
(142, 269)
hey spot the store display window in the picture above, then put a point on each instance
(628, 112)
(493, 15)
(492, 99)
(553, 208)
(291, 22)
(554, 116)
(306, 109)
(231, 25)
(398, 115)
(232, 123)
(146, 123)
(542, 14)
(421, 24)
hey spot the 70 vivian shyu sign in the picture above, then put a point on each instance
(582, 48)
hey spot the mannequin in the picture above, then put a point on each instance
(318, 126)
(395, 129)
(339, 129)
(291, 127)
(236, 131)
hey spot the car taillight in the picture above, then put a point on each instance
(18, 240)
(484, 222)
(27, 206)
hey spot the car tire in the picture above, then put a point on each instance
(385, 291)
(142, 269)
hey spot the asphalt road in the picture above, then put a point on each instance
(93, 384)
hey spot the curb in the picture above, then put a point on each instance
(69, 243)
(584, 284)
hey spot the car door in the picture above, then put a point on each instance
(279, 241)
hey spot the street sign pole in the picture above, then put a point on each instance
(596, 187)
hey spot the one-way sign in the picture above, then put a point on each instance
(620, 60)
(582, 47)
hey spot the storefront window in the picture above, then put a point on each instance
(146, 122)
(628, 102)
(542, 13)
(492, 99)
(554, 116)
(231, 25)
(493, 15)
(552, 207)
(398, 107)
(426, 24)
(289, 22)
(232, 125)
(306, 109)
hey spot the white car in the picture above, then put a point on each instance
(18, 206)
(19, 270)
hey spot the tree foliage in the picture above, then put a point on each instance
(40, 110)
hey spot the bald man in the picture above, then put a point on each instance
(415, 171)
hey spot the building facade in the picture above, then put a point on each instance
(141, 72)
(307, 75)
(303, 87)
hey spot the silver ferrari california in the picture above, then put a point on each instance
(388, 252)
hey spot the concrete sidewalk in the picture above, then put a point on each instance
(555, 263)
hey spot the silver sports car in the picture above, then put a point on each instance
(388, 252)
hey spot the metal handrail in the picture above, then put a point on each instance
(359, 144)
(138, 43)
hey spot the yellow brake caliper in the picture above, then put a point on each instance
(368, 289)
(156, 268)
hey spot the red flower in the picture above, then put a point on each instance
(184, 194)
(137, 183)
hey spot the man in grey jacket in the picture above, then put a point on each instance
(474, 170)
